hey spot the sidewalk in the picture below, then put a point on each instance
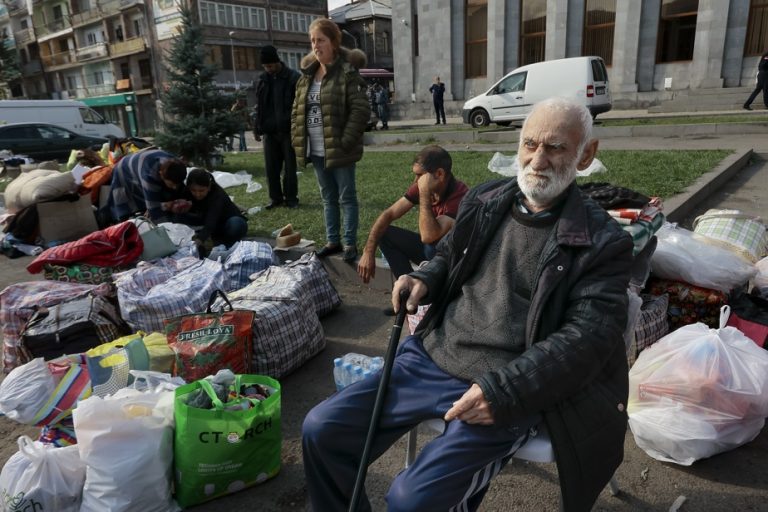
(732, 481)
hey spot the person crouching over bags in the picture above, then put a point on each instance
(209, 210)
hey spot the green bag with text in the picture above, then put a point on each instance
(231, 446)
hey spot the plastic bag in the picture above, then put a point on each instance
(126, 440)
(503, 164)
(42, 477)
(761, 278)
(595, 167)
(682, 257)
(26, 390)
(698, 392)
(179, 234)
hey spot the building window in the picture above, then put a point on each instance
(476, 52)
(599, 22)
(677, 30)
(757, 28)
(214, 54)
(291, 59)
(233, 16)
(245, 57)
(533, 29)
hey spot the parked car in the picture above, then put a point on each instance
(41, 141)
(583, 79)
(70, 114)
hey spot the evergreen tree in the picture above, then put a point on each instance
(199, 117)
(9, 67)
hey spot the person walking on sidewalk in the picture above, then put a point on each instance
(437, 194)
(438, 90)
(525, 332)
(275, 92)
(382, 104)
(328, 120)
(240, 111)
(762, 83)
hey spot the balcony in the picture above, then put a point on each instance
(31, 68)
(82, 18)
(125, 4)
(17, 8)
(94, 51)
(53, 27)
(99, 90)
(110, 7)
(24, 36)
(59, 59)
(133, 45)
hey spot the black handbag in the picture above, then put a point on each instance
(71, 327)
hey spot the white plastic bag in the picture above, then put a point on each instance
(595, 167)
(126, 440)
(503, 164)
(698, 392)
(42, 477)
(180, 234)
(761, 278)
(682, 257)
(26, 390)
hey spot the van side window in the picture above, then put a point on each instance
(513, 83)
(90, 116)
(599, 73)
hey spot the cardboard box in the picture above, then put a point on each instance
(65, 220)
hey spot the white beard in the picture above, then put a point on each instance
(543, 187)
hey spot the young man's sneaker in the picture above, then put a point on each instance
(350, 253)
(329, 249)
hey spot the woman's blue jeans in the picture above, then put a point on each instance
(337, 188)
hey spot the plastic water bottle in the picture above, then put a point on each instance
(357, 374)
(338, 374)
(376, 364)
(347, 374)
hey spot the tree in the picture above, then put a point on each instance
(200, 118)
(9, 67)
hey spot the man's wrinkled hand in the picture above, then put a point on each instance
(471, 408)
(416, 290)
(366, 267)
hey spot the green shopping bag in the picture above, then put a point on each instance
(219, 451)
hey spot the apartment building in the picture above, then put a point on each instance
(110, 54)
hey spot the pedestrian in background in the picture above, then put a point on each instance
(438, 90)
(382, 103)
(328, 121)
(275, 92)
(240, 111)
(762, 83)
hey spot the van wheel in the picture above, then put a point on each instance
(479, 118)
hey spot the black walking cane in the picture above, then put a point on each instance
(389, 360)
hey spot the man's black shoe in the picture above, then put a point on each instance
(747, 107)
(271, 205)
(292, 206)
(327, 250)
(350, 253)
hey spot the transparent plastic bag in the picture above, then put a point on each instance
(503, 164)
(26, 390)
(682, 257)
(698, 392)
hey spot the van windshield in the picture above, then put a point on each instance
(91, 116)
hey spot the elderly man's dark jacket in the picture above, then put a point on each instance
(574, 369)
(274, 101)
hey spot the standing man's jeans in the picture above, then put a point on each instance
(337, 188)
(439, 110)
(279, 152)
(402, 247)
(243, 146)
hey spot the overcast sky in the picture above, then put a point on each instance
(332, 4)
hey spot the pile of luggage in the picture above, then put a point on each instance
(112, 357)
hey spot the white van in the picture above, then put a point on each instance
(511, 98)
(71, 114)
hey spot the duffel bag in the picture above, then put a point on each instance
(71, 327)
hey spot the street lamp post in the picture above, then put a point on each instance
(232, 50)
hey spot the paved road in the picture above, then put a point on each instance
(733, 481)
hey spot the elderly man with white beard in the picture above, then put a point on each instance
(524, 333)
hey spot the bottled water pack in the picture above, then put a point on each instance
(354, 367)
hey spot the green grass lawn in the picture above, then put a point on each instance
(383, 177)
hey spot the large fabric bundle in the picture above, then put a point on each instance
(115, 246)
(35, 186)
(18, 303)
(285, 336)
(309, 277)
(739, 232)
(245, 258)
(152, 292)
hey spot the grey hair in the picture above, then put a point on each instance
(570, 107)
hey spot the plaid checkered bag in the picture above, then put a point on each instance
(17, 305)
(284, 335)
(651, 326)
(146, 300)
(245, 258)
(738, 232)
(309, 274)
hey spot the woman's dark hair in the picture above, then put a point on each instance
(200, 177)
(176, 172)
